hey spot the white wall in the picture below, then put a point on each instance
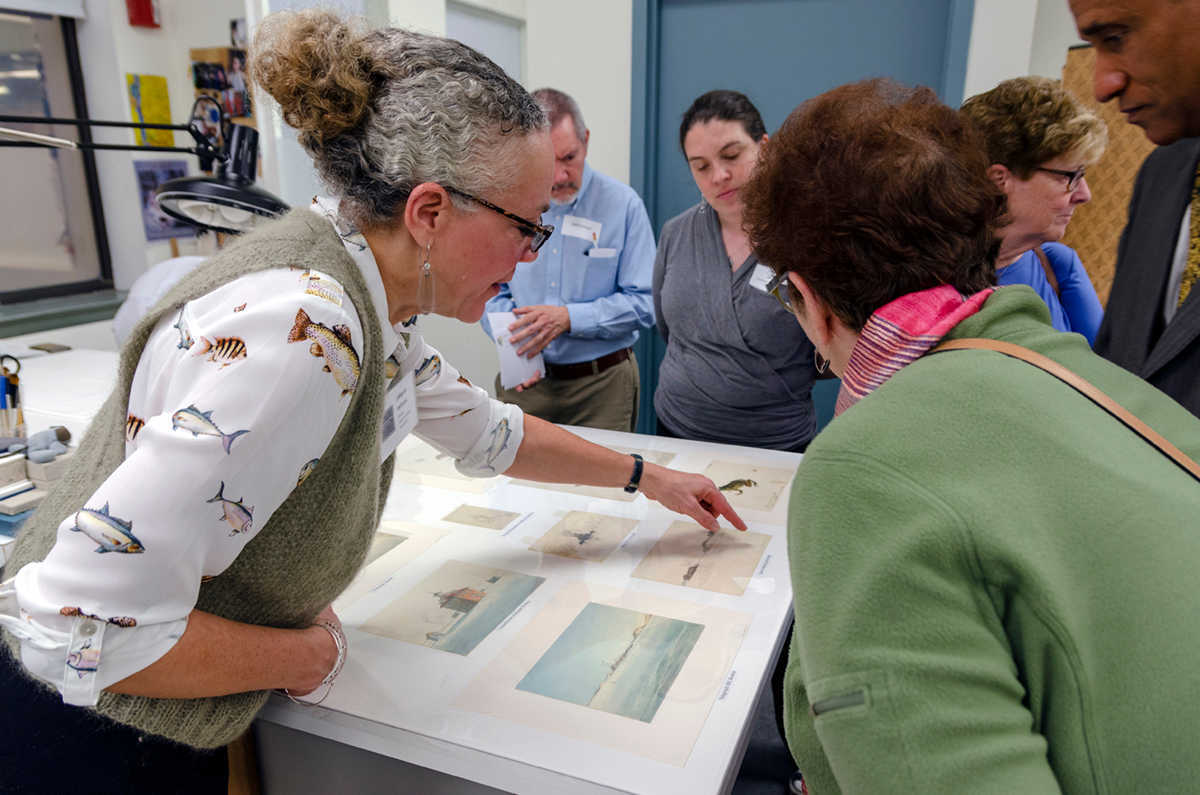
(109, 48)
(1013, 38)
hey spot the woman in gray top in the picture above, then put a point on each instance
(733, 371)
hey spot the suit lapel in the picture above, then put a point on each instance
(1175, 187)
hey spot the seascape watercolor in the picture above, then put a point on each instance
(614, 659)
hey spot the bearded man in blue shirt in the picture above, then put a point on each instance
(582, 301)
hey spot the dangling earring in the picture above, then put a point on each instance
(426, 283)
(820, 362)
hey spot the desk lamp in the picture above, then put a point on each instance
(228, 201)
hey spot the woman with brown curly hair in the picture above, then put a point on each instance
(992, 576)
(229, 489)
(1040, 142)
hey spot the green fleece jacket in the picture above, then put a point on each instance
(995, 581)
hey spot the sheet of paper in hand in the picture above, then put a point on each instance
(514, 369)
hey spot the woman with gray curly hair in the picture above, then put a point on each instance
(1040, 141)
(229, 489)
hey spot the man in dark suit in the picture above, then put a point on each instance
(1148, 58)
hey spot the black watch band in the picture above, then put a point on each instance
(636, 477)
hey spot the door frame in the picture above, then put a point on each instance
(644, 132)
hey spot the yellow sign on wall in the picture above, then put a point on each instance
(149, 103)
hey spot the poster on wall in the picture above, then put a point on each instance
(149, 104)
(151, 174)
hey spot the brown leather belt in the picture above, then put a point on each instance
(565, 372)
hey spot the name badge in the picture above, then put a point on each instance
(582, 228)
(399, 414)
(761, 276)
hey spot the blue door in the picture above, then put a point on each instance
(779, 53)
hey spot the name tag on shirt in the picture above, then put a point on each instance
(399, 414)
(761, 276)
(583, 228)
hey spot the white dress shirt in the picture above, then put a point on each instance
(226, 415)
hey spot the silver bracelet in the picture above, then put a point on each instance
(339, 640)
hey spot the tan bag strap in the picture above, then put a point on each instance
(1083, 387)
(1050, 277)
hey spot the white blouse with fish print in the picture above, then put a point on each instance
(257, 370)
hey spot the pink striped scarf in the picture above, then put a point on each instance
(899, 333)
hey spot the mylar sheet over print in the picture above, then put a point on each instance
(479, 516)
(749, 486)
(395, 545)
(455, 607)
(420, 464)
(689, 555)
(585, 536)
(603, 492)
(575, 645)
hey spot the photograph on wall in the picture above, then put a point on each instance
(619, 668)
(454, 608)
(749, 486)
(585, 536)
(478, 516)
(149, 104)
(395, 545)
(150, 174)
(689, 555)
(602, 492)
(613, 659)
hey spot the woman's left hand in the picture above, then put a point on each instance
(690, 494)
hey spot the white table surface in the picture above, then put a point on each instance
(398, 700)
(364, 712)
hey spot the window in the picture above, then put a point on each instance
(52, 229)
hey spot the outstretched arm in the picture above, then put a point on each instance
(550, 454)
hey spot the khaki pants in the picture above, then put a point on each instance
(606, 400)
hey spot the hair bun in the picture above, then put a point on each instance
(314, 65)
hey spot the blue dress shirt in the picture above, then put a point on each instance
(607, 294)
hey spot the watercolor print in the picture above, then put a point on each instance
(585, 536)
(614, 659)
(745, 485)
(602, 492)
(332, 344)
(394, 546)
(689, 555)
(382, 544)
(454, 608)
(478, 516)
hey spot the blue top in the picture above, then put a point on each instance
(1076, 307)
(606, 294)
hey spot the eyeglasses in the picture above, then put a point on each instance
(781, 288)
(537, 233)
(1073, 177)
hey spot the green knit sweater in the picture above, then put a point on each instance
(312, 545)
(995, 581)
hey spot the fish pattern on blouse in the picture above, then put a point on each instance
(223, 350)
(111, 533)
(119, 621)
(200, 423)
(307, 470)
(185, 338)
(133, 426)
(334, 344)
(235, 512)
(498, 442)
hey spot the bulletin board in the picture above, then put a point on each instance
(1095, 230)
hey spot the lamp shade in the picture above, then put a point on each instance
(221, 203)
